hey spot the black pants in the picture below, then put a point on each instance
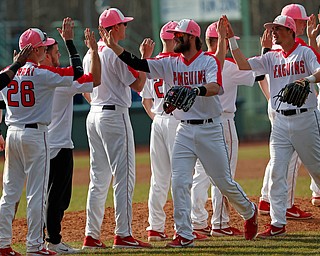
(59, 193)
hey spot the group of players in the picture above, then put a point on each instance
(188, 150)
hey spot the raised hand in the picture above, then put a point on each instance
(230, 32)
(108, 39)
(266, 39)
(67, 30)
(146, 48)
(312, 27)
(90, 40)
(222, 26)
(106, 36)
(23, 55)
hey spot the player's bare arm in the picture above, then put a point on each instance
(95, 66)
(87, 96)
(147, 105)
(212, 89)
(238, 56)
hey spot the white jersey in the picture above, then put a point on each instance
(115, 80)
(285, 68)
(29, 96)
(62, 112)
(232, 77)
(156, 89)
(202, 69)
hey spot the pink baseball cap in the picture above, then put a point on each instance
(169, 25)
(35, 37)
(187, 26)
(212, 30)
(111, 17)
(295, 11)
(282, 20)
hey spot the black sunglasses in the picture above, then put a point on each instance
(125, 24)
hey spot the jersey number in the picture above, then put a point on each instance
(26, 92)
(157, 84)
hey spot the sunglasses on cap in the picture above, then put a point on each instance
(44, 38)
(178, 34)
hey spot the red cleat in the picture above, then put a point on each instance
(251, 225)
(42, 252)
(230, 231)
(295, 213)
(180, 242)
(9, 252)
(199, 237)
(156, 236)
(204, 231)
(264, 207)
(91, 243)
(129, 242)
(272, 231)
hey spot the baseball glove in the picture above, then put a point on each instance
(295, 93)
(179, 97)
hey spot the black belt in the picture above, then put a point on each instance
(109, 107)
(291, 112)
(197, 121)
(34, 126)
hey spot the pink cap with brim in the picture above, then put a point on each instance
(212, 31)
(112, 17)
(295, 11)
(35, 37)
(187, 26)
(282, 20)
(169, 25)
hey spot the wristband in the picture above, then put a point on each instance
(15, 66)
(200, 91)
(311, 79)
(233, 43)
(265, 50)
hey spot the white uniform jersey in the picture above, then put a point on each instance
(62, 112)
(200, 70)
(285, 68)
(116, 74)
(29, 96)
(231, 78)
(156, 89)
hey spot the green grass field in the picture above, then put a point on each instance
(306, 243)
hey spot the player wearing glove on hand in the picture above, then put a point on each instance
(294, 128)
(200, 133)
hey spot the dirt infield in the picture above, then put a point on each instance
(74, 222)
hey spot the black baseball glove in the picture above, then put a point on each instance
(179, 97)
(295, 93)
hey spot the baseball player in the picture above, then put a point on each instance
(199, 133)
(293, 128)
(298, 13)
(28, 101)
(231, 78)
(110, 135)
(61, 145)
(163, 132)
